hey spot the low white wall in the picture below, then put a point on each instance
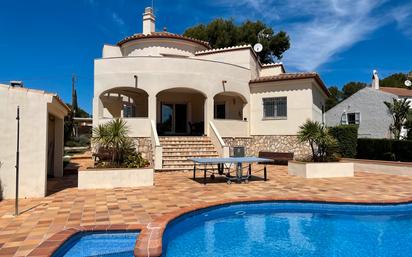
(112, 178)
(138, 127)
(321, 169)
(386, 167)
(232, 128)
(218, 142)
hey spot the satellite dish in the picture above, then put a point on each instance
(258, 47)
(408, 83)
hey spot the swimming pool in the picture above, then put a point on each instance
(107, 244)
(292, 229)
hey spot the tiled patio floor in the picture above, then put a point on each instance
(72, 207)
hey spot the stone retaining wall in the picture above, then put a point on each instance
(254, 144)
(144, 146)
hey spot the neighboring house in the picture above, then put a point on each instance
(82, 126)
(402, 93)
(41, 139)
(365, 108)
(168, 84)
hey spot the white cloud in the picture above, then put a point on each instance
(119, 21)
(321, 29)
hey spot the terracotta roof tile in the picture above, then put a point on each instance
(163, 34)
(293, 76)
(397, 91)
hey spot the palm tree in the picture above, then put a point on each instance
(112, 136)
(399, 110)
(322, 143)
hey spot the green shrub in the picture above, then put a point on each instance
(80, 141)
(322, 144)
(384, 149)
(136, 160)
(347, 137)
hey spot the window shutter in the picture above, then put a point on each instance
(357, 118)
(344, 119)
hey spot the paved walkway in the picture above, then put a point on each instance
(71, 207)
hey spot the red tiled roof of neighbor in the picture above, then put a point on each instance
(397, 91)
(293, 76)
(163, 34)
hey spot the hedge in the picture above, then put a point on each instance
(384, 149)
(347, 137)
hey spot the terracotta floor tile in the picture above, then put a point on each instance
(68, 207)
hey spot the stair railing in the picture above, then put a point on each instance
(217, 141)
(157, 147)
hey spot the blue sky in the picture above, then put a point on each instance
(44, 42)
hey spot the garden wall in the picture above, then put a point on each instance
(255, 144)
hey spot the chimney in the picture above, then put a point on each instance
(375, 80)
(148, 21)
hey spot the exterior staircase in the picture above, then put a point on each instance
(177, 150)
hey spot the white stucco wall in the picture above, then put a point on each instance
(160, 47)
(299, 106)
(270, 71)
(155, 74)
(35, 109)
(318, 104)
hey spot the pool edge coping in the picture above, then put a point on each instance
(51, 244)
(149, 241)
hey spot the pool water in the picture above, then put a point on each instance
(292, 229)
(107, 244)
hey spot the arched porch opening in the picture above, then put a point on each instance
(229, 106)
(180, 111)
(124, 102)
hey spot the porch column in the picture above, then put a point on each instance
(152, 108)
(208, 113)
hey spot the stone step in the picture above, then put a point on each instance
(184, 158)
(195, 148)
(177, 151)
(184, 139)
(198, 170)
(189, 150)
(190, 155)
(189, 167)
(185, 143)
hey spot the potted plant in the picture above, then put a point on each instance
(323, 162)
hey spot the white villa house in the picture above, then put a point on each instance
(181, 98)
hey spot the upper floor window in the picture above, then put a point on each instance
(275, 108)
(351, 118)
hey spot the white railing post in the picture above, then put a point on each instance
(157, 147)
(217, 141)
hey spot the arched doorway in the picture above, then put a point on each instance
(124, 102)
(180, 111)
(229, 106)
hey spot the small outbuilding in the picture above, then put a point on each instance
(41, 139)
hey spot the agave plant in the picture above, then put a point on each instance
(323, 145)
(399, 110)
(112, 136)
